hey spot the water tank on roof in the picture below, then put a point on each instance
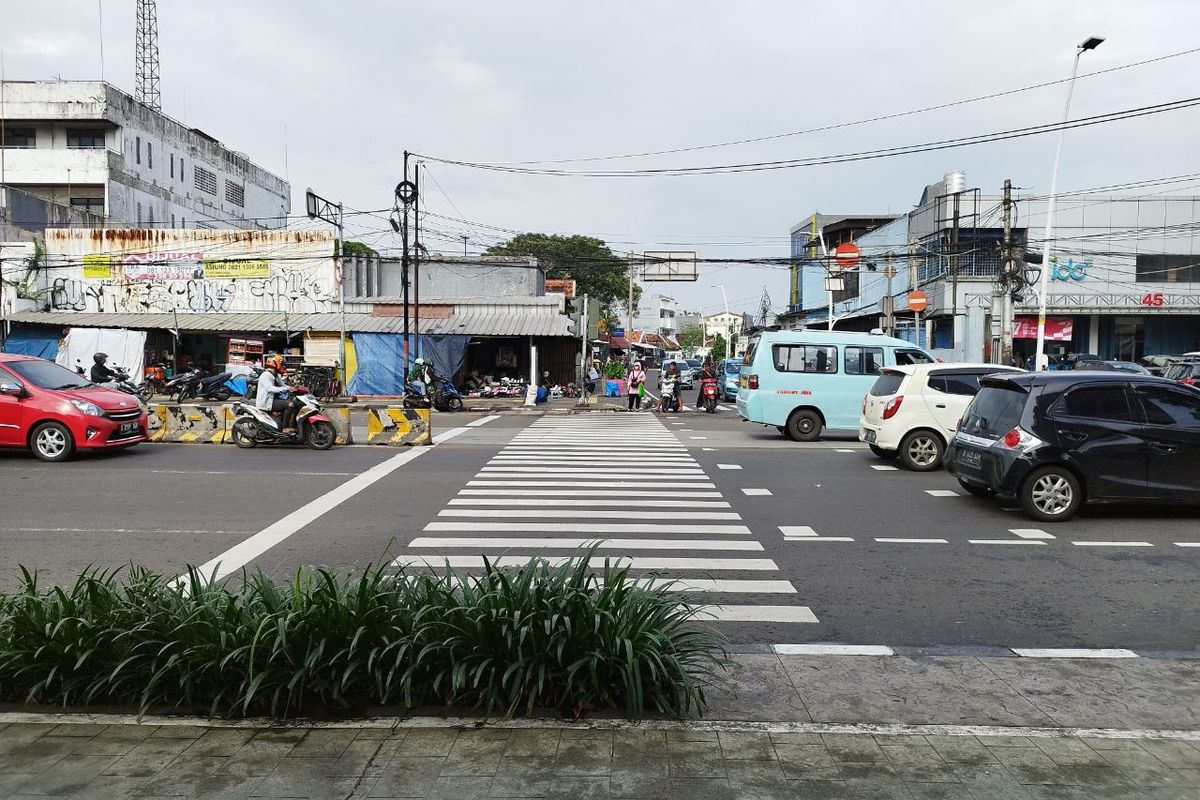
(954, 182)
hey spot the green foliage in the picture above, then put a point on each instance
(691, 337)
(614, 370)
(717, 348)
(589, 262)
(25, 286)
(512, 639)
(353, 248)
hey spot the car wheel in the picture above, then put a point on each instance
(882, 452)
(1051, 494)
(804, 426)
(51, 441)
(921, 451)
(975, 489)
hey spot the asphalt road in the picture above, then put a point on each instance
(167, 506)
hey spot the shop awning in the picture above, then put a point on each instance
(471, 320)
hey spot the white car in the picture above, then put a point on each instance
(912, 411)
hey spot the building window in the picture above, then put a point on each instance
(205, 181)
(85, 138)
(149, 155)
(137, 149)
(172, 165)
(1168, 268)
(235, 193)
(139, 213)
(183, 222)
(151, 220)
(20, 138)
(172, 220)
(92, 205)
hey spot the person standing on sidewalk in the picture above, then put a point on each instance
(637, 377)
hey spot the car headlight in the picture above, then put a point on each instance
(88, 408)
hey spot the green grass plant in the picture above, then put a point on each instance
(509, 641)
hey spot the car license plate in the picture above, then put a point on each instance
(127, 429)
(869, 436)
(970, 458)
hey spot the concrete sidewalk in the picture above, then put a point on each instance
(784, 727)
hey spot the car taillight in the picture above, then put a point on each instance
(1189, 381)
(752, 382)
(1017, 439)
(893, 406)
(1012, 438)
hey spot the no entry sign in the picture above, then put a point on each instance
(917, 301)
(846, 255)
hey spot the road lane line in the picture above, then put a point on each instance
(884, 467)
(723, 585)
(756, 492)
(891, 540)
(818, 649)
(246, 551)
(797, 530)
(842, 450)
(1004, 541)
(1187, 544)
(483, 421)
(757, 614)
(1112, 544)
(697, 437)
(818, 539)
(633, 562)
(578, 513)
(573, 527)
(729, 466)
(577, 543)
(941, 493)
(605, 494)
(609, 484)
(1073, 652)
(1030, 533)
(601, 500)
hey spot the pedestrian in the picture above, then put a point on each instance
(637, 377)
(593, 375)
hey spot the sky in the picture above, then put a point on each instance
(331, 94)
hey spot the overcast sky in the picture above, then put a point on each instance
(357, 82)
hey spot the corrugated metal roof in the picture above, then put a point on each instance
(479, 320)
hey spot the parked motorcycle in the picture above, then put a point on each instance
(252, 426)
(445, 396)
(226, 385)
(708, 394)
(184, 385)
(154, 381)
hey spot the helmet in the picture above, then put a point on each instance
(419, 362)
(100, 358)
(276, 362)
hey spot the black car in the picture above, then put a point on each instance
(1186, 372)
(1055, 440)
(1114, 366)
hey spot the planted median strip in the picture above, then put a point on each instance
(539, 636)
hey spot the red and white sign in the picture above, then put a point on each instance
(1058, 329)
(846, 255)
(917, 301)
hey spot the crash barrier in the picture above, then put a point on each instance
(212, 423)
(394, 425)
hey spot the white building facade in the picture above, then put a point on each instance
(724, 323)
(89, 145)
(656, 314)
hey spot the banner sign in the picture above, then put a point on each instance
(242, 268)
(1058, 329)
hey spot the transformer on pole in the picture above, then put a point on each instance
(146, 55)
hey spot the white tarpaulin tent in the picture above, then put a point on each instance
(125, 348)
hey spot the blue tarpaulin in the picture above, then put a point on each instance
(40, 342)
(381, 361)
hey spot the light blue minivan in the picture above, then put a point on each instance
(803, 382)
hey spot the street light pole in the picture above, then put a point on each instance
(1040, 361)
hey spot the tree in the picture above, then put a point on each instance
(597, 272)
(718, 348)
(691, 337)
(353, 248)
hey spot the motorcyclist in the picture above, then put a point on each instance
(270, 386)
(100, 373)
(708, 371)
(420, 376)
(671, 378)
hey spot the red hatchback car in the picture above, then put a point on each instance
(54, 412)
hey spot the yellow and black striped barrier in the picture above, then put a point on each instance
(394, 425)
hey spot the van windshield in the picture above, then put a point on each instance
(994, 412)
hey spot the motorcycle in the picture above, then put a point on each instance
(708, 394)
(120, 381)
(154, 382)
(445, 396)
(670, 402)
(227, 385)
(252, 426)
(184, 385)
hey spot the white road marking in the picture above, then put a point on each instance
(1030, 533)
(884, 467)
(756, 492)
(1187, 544)
(757, 614)
(843, 451)
(483, 421)
(1003, 541)
(1073, 652)
(818, 539)
(540, 513)
(890, 540)
(596, 501)
(832, 650)
(1113, 544)
(633, 562)
(708, 449)
(725, 408)
(246, 551)
(577, 543)
(941, 493)
(573, 527)
(585, 470)
(603, 494)
(729, 466)
(697, 437)
(609, 484)
(606, 462)
(797, 530)
(725, 585)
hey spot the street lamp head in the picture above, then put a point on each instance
(1091, 43)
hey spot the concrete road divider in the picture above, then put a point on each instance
(395, 425)
(340, 417)
(189, 423)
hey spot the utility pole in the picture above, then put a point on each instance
(1008, 269)
(912, 286)
(629, 308)
(889, 302)
(417, 256)
(464, 238)
(320, 208)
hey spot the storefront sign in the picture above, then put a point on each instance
(226, 268)
(97, 265)
(1058, 329)
(1069, 270)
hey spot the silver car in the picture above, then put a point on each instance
(685, 372)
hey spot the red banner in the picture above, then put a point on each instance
(1058, 329)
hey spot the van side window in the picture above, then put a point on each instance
(805, 358)
(864, 360)
(909, 357)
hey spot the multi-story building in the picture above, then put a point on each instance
(1124, 280)
(89, 145)
(724, 323)
(656, 314)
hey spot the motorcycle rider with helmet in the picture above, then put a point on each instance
(270, 386)
(100, 373)
(421, 376)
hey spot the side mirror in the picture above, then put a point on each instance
(11, 389)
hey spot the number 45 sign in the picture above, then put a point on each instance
(1153, 299)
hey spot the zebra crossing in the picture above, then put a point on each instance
(626, 483)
